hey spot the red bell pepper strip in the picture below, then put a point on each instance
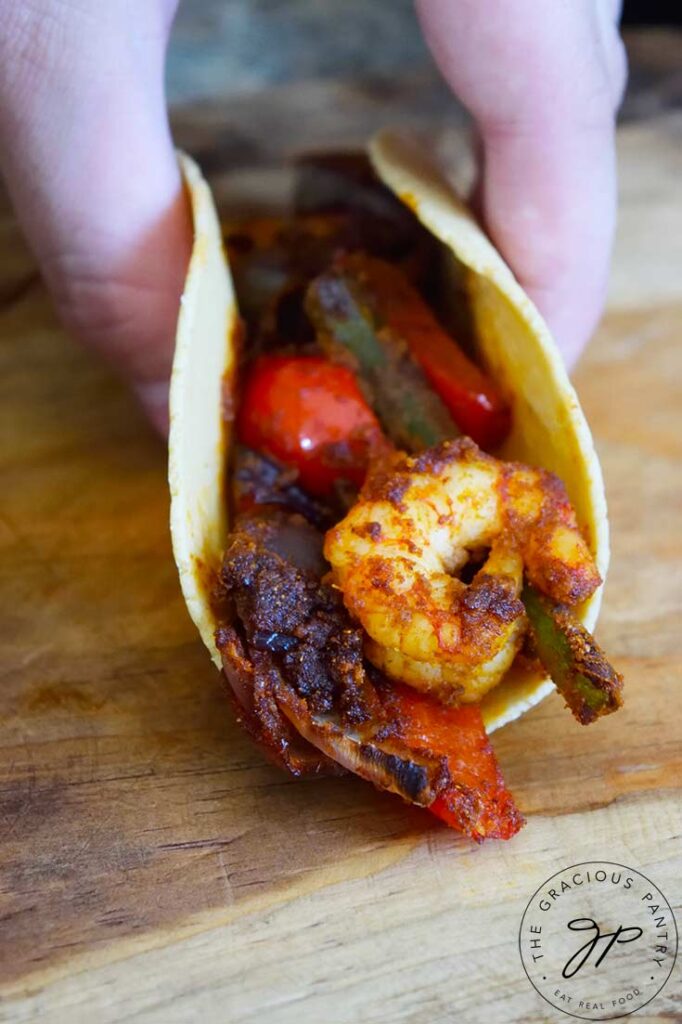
(309, 413)
(472, 399)
(476, 801)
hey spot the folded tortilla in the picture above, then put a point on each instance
(513, 344)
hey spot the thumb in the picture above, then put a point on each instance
(89, 162)
(542, 83)
(548, 200)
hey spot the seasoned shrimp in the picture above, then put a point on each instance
(418, 522)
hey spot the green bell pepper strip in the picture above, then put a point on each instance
(348, 329)
(578, 667)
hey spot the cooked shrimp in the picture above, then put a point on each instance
(418, 522)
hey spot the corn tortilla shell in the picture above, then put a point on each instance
(513, 343)
(199, 440)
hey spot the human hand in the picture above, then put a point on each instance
(542, 82)
(88, 158)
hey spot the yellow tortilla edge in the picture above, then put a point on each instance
(514, 343)
(198, 439)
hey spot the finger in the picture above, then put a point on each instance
(541, 82)
(548, 200)
(87, 154)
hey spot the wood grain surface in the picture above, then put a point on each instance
(152, 867)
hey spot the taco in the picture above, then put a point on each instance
(392, 542)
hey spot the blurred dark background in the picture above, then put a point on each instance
(652, 12)
(250, 71)
(225, 47)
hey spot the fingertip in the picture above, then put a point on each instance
(548, 203)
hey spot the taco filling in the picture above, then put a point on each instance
(386, 567)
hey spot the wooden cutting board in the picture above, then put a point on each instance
(153, 868)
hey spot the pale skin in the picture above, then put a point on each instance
(88, 158)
